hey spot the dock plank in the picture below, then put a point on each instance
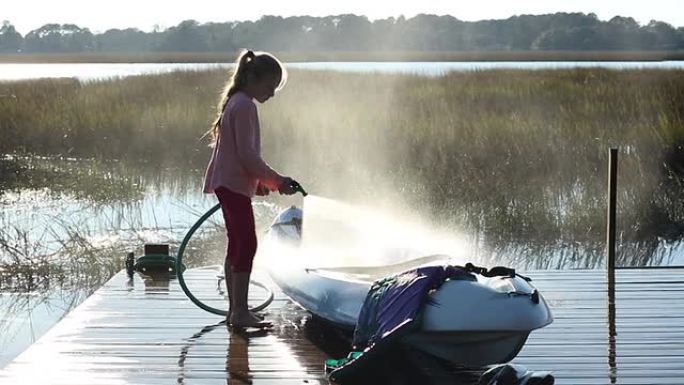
(141, 333)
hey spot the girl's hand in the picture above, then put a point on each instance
(262, 190)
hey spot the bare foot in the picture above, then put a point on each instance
(247, 319)
(257, 315)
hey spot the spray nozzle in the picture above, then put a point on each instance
(298, 187)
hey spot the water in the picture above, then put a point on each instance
(24, 317)
(439, 68)
(94, 71)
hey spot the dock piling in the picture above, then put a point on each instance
(610, 265)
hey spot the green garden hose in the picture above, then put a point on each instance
(181, 280)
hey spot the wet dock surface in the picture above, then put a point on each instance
(150, 333)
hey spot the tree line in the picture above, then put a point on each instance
(559, 31)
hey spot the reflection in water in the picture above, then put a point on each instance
(158, 284)
(237, 358)
(237, 362)
(182, 357)
(588, 255)
(612, 331)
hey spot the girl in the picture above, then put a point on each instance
(236, 171)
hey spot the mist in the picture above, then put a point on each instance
(492, 158)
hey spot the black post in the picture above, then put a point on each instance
(612, 205)
(612, 198)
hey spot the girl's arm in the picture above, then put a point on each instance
(246, 130)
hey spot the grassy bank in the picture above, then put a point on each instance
(511, 155)
(424, 56)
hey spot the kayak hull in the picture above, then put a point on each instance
(466, 322)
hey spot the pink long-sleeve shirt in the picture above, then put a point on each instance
(236, 161)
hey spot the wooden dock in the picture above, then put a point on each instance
(138, 333)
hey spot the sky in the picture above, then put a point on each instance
(99, 16)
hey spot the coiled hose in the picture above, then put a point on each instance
(184, 286)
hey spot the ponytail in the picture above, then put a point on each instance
(249, 66)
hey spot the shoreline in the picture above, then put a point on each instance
(344, 56)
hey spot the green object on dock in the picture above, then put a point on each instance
(157, 261)
(332, 364)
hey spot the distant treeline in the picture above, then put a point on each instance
(559, 31)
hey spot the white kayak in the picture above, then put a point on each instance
(472, 323)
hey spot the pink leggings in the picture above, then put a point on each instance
(239, 218)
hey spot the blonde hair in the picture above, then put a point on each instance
(249, 67)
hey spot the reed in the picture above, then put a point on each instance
(30, 264)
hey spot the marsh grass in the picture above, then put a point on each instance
(148, 117)
(510, 155)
